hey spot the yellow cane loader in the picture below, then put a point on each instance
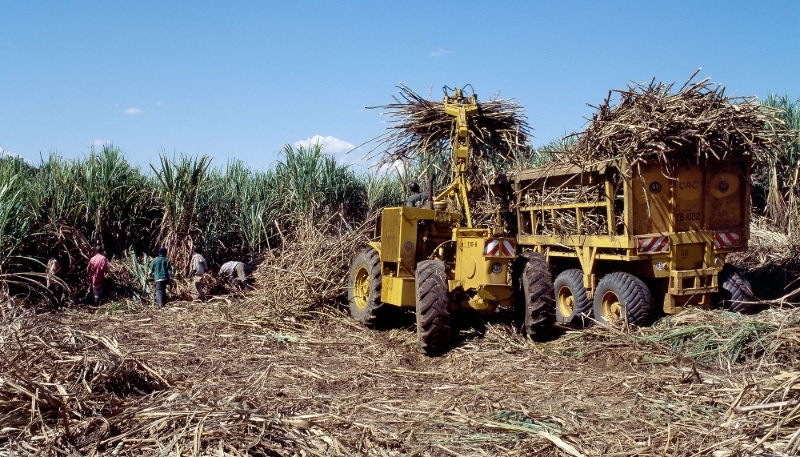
(433, 259)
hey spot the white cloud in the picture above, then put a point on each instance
(159, 103)
(440, 52)
(396, 167)
(7, 153)
(132, 110)
(330, 145)
(98, 142)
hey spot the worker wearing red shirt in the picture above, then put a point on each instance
(97, 269)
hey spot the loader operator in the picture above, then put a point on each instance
(417, 198)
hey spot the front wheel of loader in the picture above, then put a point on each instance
(535, 308)
(622, 297)
(572, 301)
(364, 291)
(433, 312)
(736, 292)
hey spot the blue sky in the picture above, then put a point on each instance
(240, 79)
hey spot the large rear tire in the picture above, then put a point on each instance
(433, 307)
(621, 296)
(572, 300)
(535, 308)
(364, 290)
(736, 292)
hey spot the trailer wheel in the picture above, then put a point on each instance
(572, 300)
(621, 296)
(364, 291)
(433, 313)
(736, 292)
(535, 309)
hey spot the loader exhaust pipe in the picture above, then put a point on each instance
(429, 202)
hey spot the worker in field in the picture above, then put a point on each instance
(97, 269)
(234, 270)
(197, 268)
(53, 280)
(417, 198)
(161, 271)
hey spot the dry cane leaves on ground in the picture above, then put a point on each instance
(237, 378)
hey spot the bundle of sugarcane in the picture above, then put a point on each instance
(421, 129)
(698, 121)
(552, 196)
(311, 267)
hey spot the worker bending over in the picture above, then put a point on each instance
(235, 271)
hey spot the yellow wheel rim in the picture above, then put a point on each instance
(565, 301)
(611, 307)
(361, 288)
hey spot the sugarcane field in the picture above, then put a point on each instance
(630, 289)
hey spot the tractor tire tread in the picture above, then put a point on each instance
(737, 292)
(632, 292)
(536, 307)
(573, 278)
(374, 311)
(433, 307)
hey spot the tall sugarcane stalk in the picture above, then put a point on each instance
(179, 180)
(782, 193)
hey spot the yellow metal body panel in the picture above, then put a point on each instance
(399, 234)
(472, 266)
(398, 291)
(485, 299)
(689, 256)
(688, 202)
(400, 249)
(729, 193)
(376, 245)
(485, 277)
(711, 196)
(399, 240)
(651, 201)
(611, 242)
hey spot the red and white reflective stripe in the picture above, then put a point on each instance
(491, 247)
(509, 248)
(728, 239)
(654, 245)
(495, 247)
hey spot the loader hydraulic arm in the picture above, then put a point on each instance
(461, 108)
